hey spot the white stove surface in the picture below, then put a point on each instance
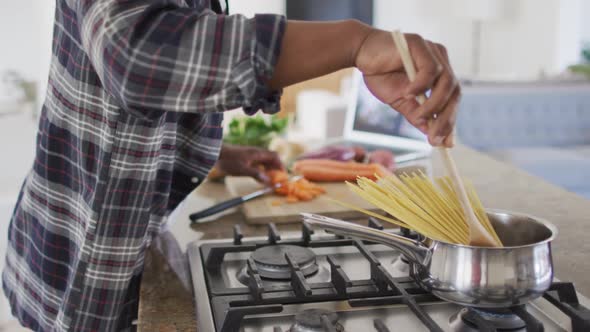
(353, 319)
(396, 317)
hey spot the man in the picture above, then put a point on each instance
(132, 123)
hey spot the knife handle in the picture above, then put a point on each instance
(194, 217)
(227, 204)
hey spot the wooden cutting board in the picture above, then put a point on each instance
(261, 210)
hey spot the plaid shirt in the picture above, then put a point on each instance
(131, 123)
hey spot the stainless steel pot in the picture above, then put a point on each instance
(481, 277)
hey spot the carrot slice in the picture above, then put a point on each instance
(277, 176)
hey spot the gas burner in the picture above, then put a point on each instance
(473, 320)
(316, 320)
(271, 263)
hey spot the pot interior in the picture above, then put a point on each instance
(518, 229)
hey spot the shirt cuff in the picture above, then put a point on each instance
(265, 47)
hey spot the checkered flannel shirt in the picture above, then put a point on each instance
(131, 118)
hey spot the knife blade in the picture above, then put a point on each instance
(219, 207)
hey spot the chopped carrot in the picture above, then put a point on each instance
(305, 196)
(300, 190)
(292, 199)
(277, 176)
(276, 202)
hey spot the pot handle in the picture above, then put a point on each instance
(412, 249)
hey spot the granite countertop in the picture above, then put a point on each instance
(166, 300)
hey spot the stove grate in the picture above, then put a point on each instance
(254, 282)
(376, 224)
(380, 326)
(234, 316)
(338, 277)
(238, 236)
(300, 286)
(230, 306)
(385, 281)
(273, 233)
(563, 296)
(532, 324)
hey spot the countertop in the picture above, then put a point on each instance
(166, 300)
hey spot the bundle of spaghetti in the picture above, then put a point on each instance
(415, 202)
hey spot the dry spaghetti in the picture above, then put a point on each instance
(414, 202)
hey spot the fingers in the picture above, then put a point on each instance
(260, 176)
(449, 142)
(268, 159)
(253, 172)
(441, 92)
(261, 161)
(428, 67)
(440, 129)
(443, 88)
(449, 86)
(443, 100)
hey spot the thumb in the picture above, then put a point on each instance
(268, 159)
(257, 173)
(262, 177)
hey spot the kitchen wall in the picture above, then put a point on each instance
(569, 36)
(26, 27)
(531, 37)
(585, 20)
(251, 7)
(535, 36)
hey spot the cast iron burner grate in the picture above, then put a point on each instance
(316, 320)
(229, 306)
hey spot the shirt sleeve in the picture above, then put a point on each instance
(155, 56)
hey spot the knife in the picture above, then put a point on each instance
(197, 216)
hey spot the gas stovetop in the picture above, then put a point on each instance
(321, 282)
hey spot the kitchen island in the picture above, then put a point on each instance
(166, 299)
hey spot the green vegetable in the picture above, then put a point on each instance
(583, 69)
(586, 54)
(255, 131)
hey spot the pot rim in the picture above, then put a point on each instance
(542, 221)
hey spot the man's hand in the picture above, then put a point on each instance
(379, 61)
(247, 161)
(313, 49)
